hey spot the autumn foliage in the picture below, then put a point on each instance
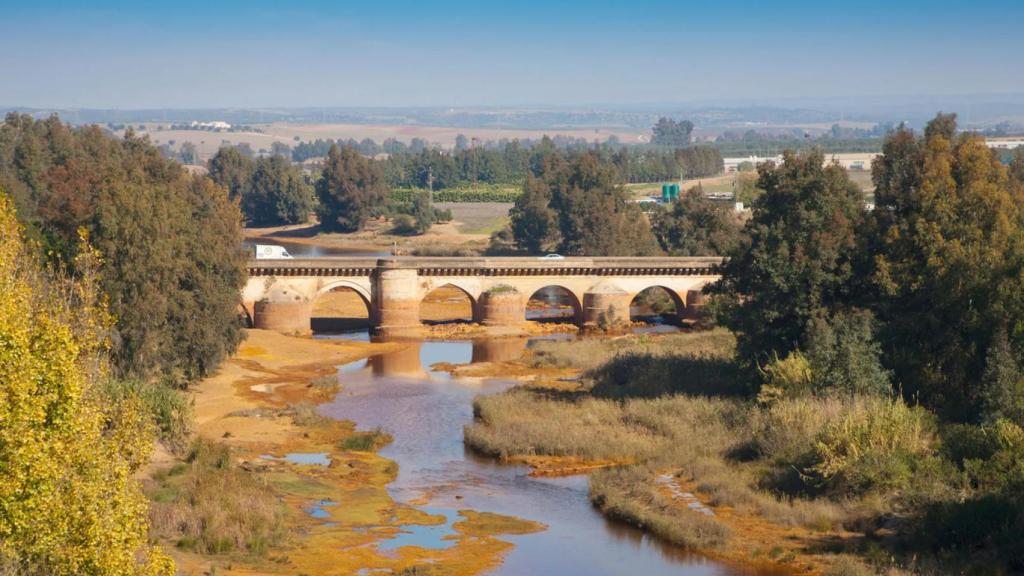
(68, 503)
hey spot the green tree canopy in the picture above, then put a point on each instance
(172, 262)
(277, 194)
(350, 187)
(949, 263)
(797, 265)
(693, 225)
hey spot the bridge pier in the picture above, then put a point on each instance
(284, 317)
(396, 302)
(606, 306)
(500, 306)
(695, 301)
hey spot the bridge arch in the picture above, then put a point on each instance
(553, 303)
(447, 303)
(340, 306)
(657, 301)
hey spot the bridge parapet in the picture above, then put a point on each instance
(444, 266)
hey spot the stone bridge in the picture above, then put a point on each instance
(280, 294)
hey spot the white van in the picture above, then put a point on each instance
(271, 252)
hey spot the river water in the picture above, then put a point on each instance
(425, 410)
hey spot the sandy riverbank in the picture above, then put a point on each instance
(245, 406)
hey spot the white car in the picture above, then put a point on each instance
(552, 257)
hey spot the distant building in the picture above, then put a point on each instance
(215, 125)
(1005, 143)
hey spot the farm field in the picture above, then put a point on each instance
(207, 143)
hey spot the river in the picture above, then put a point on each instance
(425, 410)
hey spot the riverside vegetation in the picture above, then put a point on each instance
(867, 399)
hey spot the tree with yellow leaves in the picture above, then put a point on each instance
(68, 502)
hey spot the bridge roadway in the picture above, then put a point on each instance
(280, 294)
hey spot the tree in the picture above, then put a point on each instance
(349, 189)
(693, 225)
(68, 502)
(188, 153)
(797, 265)
(232, 169)
(668, 132)
(949, 263)
(280, 149)
(423, 212)
(594, 216)
(1002, 382)
(277, 194)
(1017, 166)
(534, 224)
(172, 263)
(844, 356)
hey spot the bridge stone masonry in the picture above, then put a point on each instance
(280, 294)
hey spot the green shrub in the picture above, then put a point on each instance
(171, 409)
(844, 356)
(876, 444)
(789, 377)
(986, 526)
(991, 456)
(211, 506)
(403, 225)
(366, 441)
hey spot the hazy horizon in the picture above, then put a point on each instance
(187, 55)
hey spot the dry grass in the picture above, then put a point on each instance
(588, 354)
(211, 506)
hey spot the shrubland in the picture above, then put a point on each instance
(869, 383)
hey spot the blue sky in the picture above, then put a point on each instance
(181, 54)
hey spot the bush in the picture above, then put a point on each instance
(403, 225)
(789, 377)
(366, 441)
(170, 409)
(211, 506)
(876, 444)
(844, 356)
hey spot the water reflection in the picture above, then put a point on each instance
(425, 411)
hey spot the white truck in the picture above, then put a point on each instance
(271, 252)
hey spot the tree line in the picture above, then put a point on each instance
(121, 276)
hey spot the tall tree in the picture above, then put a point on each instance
(589, 206)
(277, 194)
(351, 186)
(170, 242)
(669, 132)
(797, 265)
(232, 169)
(949, 262)
(534, 224)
